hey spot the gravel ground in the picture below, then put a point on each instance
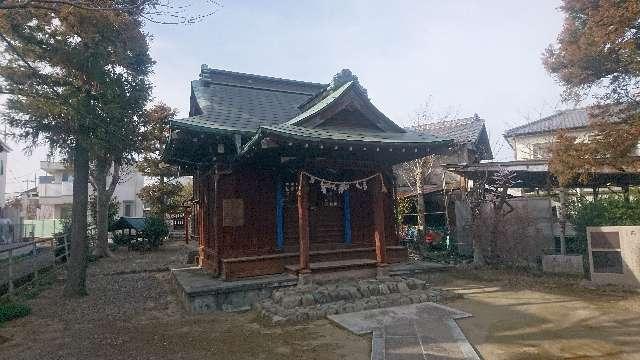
(132, 313)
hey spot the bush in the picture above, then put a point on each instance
(154, 232)
(12, 310)
(606, 211)
(121, 239)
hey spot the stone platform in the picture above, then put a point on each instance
(201, 292)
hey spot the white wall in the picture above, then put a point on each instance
(131, 183)
(525, 146)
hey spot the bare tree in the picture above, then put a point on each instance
(416, 173)
(491, 191)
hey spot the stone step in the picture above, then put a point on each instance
(343, 290)
(325, 266)
(276, 314)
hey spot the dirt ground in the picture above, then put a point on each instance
(132, 313)
(520, 317)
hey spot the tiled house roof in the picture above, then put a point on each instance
(461, 131)
(470, 131)
(565, 119)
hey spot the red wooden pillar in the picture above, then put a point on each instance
(378, 220)
(303, 224)
(200, 222)
(217, 226)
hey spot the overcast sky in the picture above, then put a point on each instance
(468, 56)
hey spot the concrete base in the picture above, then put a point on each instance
(382, 272)
(563, 264)
(401, 269)
(200, 292)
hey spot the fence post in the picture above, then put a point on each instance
(53, 249)
(10, 271)
(34, 268)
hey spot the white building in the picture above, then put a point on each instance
(55, 191)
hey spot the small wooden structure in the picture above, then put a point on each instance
(291, 176)
(128, 223)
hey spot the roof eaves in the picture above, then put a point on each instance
(330, 98)
(206, 127)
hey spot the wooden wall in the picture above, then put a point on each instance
(252, 241)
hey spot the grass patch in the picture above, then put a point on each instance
(11, 310)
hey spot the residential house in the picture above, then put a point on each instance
(441, 188)
(55, 191)
(540, 195)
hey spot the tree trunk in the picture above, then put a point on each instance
(102, 211)
(103, 199)
(420, 201)
(75, 284)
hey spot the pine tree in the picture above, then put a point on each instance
(65, 69)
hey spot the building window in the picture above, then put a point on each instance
(1, 167)
(65, 176)
(129, 208)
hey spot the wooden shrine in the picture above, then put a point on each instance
(291, 176)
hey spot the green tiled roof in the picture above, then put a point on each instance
(321, 104)
(300, 132)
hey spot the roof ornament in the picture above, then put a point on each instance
(343, 77)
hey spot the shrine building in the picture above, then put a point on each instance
(291, 176)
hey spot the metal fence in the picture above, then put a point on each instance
(21, 262)
(15, 233)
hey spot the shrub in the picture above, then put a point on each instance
(606, 211)
(121, 239)
(12, 310)
(155, 230)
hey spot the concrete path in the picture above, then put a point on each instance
(426, 331)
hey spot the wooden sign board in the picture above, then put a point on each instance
(232, 212)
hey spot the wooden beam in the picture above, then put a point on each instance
(279, 213)
(303, 223)
(378, 219)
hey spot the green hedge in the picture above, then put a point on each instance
(606, 211)
(12, 310)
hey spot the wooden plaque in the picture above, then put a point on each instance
(232, 212)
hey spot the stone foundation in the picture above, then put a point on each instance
(316, 301)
